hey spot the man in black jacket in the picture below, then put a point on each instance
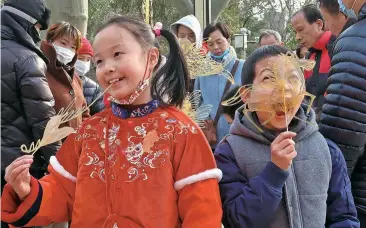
(343, 118)
(26, 99)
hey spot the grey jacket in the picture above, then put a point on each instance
(304, 202)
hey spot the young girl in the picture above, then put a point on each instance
(140, 163)
(277, 178)
(61, 45)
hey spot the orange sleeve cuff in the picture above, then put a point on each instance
(18, 213)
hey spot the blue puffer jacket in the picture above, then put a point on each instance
(343, 119)
(92, 91)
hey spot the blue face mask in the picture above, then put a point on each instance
(220, 57)
(350, 13)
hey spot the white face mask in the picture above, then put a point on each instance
(82, 67)
(64, 55)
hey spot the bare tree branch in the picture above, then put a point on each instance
(272, 4)
(281, 4)
(246, 20)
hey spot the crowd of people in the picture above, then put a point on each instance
(135, 159)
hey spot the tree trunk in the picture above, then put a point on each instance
(151, 16)
(147, 11)
(216, 7)
(185, 7)
(73, 11)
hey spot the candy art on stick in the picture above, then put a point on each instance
(192, 108)
(284, 90)
(53, 132)
(201, 65)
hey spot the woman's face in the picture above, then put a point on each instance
(186, 33)
(217, 43)
(84, 57)
(66, 42)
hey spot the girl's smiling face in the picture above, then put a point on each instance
(269, 86)
(122, 61)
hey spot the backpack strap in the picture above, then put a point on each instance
(227, 87)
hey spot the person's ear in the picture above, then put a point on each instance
(320, 24)
(244, 95)
(244, 98)
(342, 17)
(229, 40)
(282, 44)
(153, 57)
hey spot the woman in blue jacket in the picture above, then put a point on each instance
(212, 87)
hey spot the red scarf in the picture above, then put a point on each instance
(320, 45)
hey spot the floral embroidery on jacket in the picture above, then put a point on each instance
(98, 166)
(144, 146)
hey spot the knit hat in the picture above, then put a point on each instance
(86, 47)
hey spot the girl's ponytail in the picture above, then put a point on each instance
(171, 83)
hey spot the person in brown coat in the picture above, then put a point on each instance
(61, 45)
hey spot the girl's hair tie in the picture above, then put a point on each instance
(157, 28)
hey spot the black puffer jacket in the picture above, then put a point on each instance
(26, 99)
(343, 119)
(92, 91)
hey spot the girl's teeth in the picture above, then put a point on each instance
(113, 81)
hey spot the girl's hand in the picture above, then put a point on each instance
(17, 175)
(283, 150)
